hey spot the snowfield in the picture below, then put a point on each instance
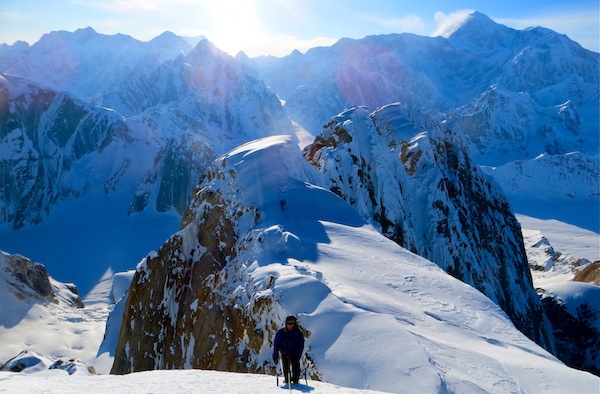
(181, 382)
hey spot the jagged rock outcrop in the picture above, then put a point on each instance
(29, 361)
(28, 281)
(180, 312)
(31, 274)
(589, 274)
(547, 263)
(417, 183)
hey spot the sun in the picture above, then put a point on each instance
(236, 25)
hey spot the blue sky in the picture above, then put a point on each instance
(277, 27)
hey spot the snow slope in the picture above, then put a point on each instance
(53, 328)
(417, 184)
(377, 316)
(58, 382)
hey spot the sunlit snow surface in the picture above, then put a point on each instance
(189, 381)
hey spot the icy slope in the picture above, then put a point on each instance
(257, 245)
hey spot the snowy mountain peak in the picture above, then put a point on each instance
(85, 33)
(473, 23)
(168, 40)
(205, 48)
(481, 32)
(166, 36)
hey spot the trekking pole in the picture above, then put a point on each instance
(281, 365)
(277, 374)
(289, 376)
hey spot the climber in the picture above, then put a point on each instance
(289, 341)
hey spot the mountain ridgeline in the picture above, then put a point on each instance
(136, 125)
(513, 94)
(56, 146)
(417, 187)
(421, 189)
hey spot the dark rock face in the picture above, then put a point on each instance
(29, 281)
(31, 274)
(420, 187)
(576, 330)
(44, 134)
(589, 274)
(179, 313)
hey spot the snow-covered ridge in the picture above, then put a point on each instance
(420, 188)
(285, 246)
(577, 174)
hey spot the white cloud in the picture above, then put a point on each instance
(448, 23)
